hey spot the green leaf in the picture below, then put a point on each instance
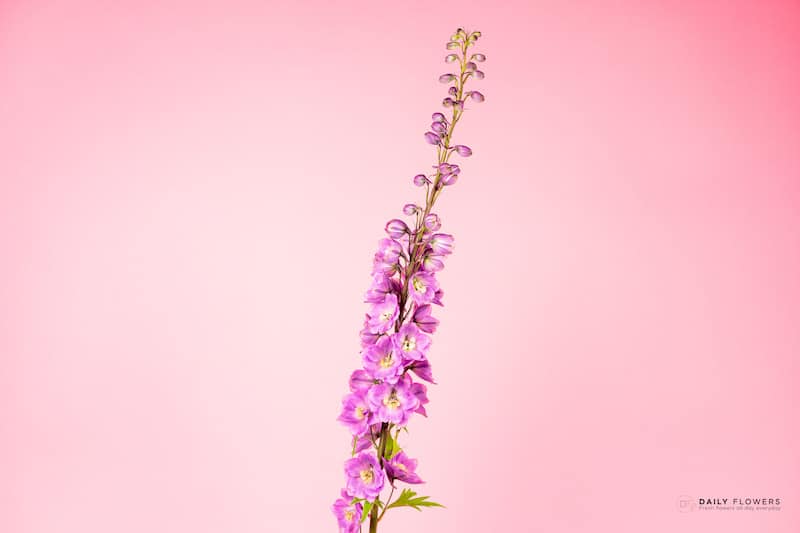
(409, 498)
(365, 512)
(367, 507)
(392, 447)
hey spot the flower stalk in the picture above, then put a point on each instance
(395, 340)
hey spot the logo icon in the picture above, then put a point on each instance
(686, 504)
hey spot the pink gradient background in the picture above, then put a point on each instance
(190, 194)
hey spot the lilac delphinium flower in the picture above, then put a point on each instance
(383, 360)
(383, 314)
(393, 403)
(364, 476)
(355, 412)
(348, 514)
(422, 287)
(395, 339)
(410, 342)
(403, 468)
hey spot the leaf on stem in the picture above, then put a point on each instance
(409, 498)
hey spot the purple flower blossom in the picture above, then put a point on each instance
(424, 320)
(439, 127)
(364, 442)
(478, 75)
(355, 413)
(447, 78)
(348, 514)
(448, 102)
(422, 287)
(360, 381)
(383, 361)
(432, 263)
(463, 151)
(368, 336)
(396, 228)
(475, 95)
(386, 258)
(420, 180)
(441, 244)
(402, 468)
(410, 209)
(478, 57)
(383, 314)
(364, 476)
(438, 117)
(432, 222)
(419, 391)
(437, 297)
(393, 403)
(432, 138)
(411, 343)
(422, 369)
(449, 58)
(381, 286)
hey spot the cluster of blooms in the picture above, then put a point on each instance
(396, 338)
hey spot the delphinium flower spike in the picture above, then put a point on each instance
(396, 337)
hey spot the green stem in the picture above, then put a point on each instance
(373, 514)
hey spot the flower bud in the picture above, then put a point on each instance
(452, 91)
(410, 209)
(463, 151)
(441, 244)
(449, 179)
(432, 222)
(475, 95)
(448, 102)
(453, 45)
(420, 180)
(396, 228)
(449, 58)
(432, 263)
(478, 75)
(447, 78)
(478, 57)
(471, 66)
(439, 127)
(438, 117)
(432, 138)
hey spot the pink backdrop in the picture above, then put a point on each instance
(190, 194)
